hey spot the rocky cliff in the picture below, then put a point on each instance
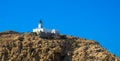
(16, 46)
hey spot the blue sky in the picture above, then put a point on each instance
(91, 19)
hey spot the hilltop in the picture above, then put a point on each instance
(15, 46)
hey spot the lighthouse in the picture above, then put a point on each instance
(40, 28)
(40, 24)
(44, 30)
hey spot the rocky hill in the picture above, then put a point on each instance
(16, 46)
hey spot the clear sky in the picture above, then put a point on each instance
(91, 19)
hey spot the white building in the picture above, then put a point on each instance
(41, 29)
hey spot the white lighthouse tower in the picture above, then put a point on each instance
(40, 24)
(41, 29)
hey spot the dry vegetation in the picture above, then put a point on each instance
(30, 47)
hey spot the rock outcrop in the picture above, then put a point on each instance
(30, 47)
